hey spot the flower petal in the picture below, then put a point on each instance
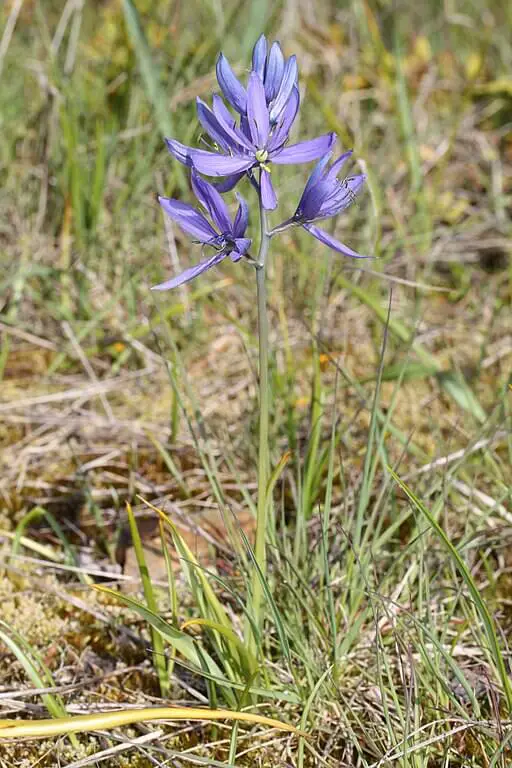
(332, 242)
(268, 195)
(355, 183)
(274, 72)
(244, 127)
(230, 85)
(221, 112)
(212, 164)
(305, 151)
(241, 218)
(338, 195)
(180, 151)
(243, 244)
(188, 218)
(319, 196)
(288, 115)
(236, 137)
(315, 176)
(337, 165)
(259, 56)
(191, 272)
(209, 197)
(257, 111)
(212, 126)
(289, 79)
(229, 182)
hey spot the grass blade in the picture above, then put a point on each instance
(148, 69)
(36, 670)
(179, 640)
(463, 395)
(13, 729)
(485, 616)
(159, 659)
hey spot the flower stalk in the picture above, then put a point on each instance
(259, 572)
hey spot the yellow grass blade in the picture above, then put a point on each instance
(189, 560)
(15, 729)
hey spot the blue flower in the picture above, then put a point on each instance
(279, 77)
(325, 196)
(254, 144)
(226, 240)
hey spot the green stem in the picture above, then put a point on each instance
(263, 452)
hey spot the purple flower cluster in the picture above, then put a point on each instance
(325, 196)
(227, 239)
(248, 144)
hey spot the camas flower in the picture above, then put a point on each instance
(255, 144)
(279, 77)
(227, 240)
(325, 196)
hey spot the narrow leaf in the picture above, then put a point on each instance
(13, 729)
(485, 616)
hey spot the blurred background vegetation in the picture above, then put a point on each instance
(109, 392)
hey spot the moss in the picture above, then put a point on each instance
(46, 754)
(33, 615)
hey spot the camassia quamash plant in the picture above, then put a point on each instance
(249, 128)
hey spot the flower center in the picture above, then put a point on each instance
(261, 155)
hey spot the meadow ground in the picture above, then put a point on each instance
(388, 602)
